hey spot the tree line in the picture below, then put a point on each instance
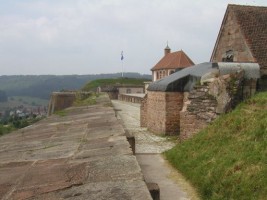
(41, 86)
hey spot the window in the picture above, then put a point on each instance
(128, 91)
(171, 72)
(228, 56)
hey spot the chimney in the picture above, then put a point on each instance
(167, 50)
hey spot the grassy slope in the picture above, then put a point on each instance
(92, 85)
(228, 160)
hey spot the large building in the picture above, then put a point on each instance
(243, 38)
(170, 63)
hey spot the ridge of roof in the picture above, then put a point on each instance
(239, 5)
(174, 60)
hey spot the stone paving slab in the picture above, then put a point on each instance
(83, 155)
(118, 190)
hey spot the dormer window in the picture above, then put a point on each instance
(228, 56)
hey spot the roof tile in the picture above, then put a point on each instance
(253, 23)
(174, 60)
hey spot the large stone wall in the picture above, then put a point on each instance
(163, 112)
(199, 110)
(206, 102)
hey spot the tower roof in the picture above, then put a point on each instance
(167, 47)
(173, 60)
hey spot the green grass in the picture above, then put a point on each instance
(92, 85)
(4, 129)
(91, 100)
(228, 159)
(61, 113)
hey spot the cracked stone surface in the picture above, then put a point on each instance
(83, 155)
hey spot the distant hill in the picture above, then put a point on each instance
(228, 159)
(41, 86)
(92, 85)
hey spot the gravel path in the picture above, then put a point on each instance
(148, 153)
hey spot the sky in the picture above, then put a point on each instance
(65, 37)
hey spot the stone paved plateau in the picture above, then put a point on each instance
(83, 155)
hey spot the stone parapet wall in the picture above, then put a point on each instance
(156, 105)
(143, 112)
(62, 100)
(130, 98)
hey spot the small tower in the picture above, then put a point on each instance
(167, 50)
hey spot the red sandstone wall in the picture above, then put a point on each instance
(174, 104)
(163, 112)
(156, 111)
(190, 125)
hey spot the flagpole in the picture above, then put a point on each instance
(122, 64)
(122, 68)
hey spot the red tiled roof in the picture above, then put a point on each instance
(174, 60)
(253, 22)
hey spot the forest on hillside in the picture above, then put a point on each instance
(41, 86)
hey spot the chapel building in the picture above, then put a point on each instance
(170, 63)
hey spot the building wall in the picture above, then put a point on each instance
(163, 112)
(231, 38)
(159, 74)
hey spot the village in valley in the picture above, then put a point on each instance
(181, 135)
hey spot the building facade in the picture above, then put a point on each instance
(243, 38)
(170, 63)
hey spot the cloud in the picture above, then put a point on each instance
(87, 36)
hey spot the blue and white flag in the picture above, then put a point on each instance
(122, 55)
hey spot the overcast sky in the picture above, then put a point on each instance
(87, 36)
